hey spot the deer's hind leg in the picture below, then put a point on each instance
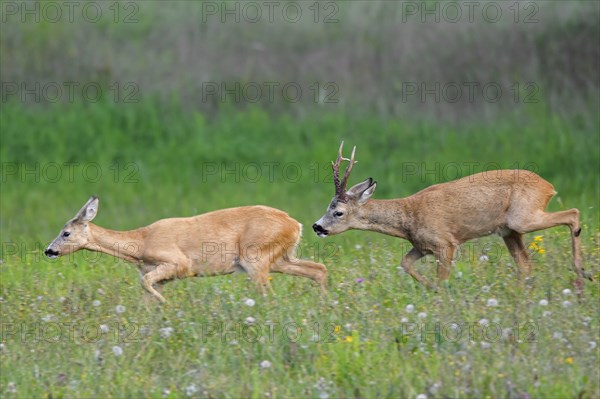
(516, 247)
(303, 268)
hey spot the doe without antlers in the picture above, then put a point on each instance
(251, 239)
(438, 219)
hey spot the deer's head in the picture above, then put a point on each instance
(75, 235)
(342, 212)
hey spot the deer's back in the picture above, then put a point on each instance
(477, 205)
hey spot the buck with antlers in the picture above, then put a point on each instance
(438, 219)
(251, 239)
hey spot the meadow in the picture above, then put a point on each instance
(78, 327)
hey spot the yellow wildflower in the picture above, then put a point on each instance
(337, 329)
(569, 360)
(348, 339)
(538, 238)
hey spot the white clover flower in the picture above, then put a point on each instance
(566, 304)
(191, 389)
(566, 292)
(422, 315)
(96, 303)
(404, 320)
(421, 396)
(165, 332)
(485, 288)
(104, 328)
(484, 322)
(250, 320)
(410, 308)
(117, 350)
(543, 302)
(483, 258)
(120, 309)
(492, 302)
(265, 364)
(358, 246)
(249, 302)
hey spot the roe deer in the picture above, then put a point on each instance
(252, 239)
(438, 219)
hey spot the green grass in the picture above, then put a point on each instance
(163, 157)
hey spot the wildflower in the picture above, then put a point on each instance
(96, 303)
(483, 258)
(547, 313)
(165, 332)
(348, 338)
(249, 302)
(117, 350)
(459, 274)
(485, 288)
(404, 320)
(592, 345)
(358, 246)
(100, 291)
(265, 364)
(541, 251)
(492, 302)
(191, 389)
(48, 318)
(557, 335)
(104, 328)
(566, 292)
(538, 239)
(359, 280)
(485, 345)
(421, 396)
(270, 278)
(62, 299)
(337, 329)
(250, 320)
(410, 308)
(120, 309)
(180, 313)
(569, 360)
(11, 387)
(484, 322)
(543, 302)
(422, 315)
(566, 304)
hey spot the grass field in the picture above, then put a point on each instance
(78, 327)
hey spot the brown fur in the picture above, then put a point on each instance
(439, 218)
(252, 239)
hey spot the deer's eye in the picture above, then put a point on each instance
(338, 214)
(66, 234)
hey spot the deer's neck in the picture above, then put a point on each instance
(127, 245)
(391, 217)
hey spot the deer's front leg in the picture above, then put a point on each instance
(161, 273)
(411, 257)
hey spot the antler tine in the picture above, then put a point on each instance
(336, 170)
(348, 169)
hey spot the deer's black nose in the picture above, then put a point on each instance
(319, 229)
(50, 252)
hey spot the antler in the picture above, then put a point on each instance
(340, 186)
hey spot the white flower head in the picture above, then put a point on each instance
(566, 304)
(165, 332)
(410, 308)
(421, 396)
(485, 288)
(422, 315)
(96, 303)
(117, 350)
(250, 320)
(265, 364)
(191, 389)
(492, 302)
(249, 302)
(543, 302)
(566, 292)
(104, 328)
(484, 322)
(120, 309)
(483, 258)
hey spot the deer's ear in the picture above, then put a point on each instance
(89, 210)
(366, 194)
(360, 187)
